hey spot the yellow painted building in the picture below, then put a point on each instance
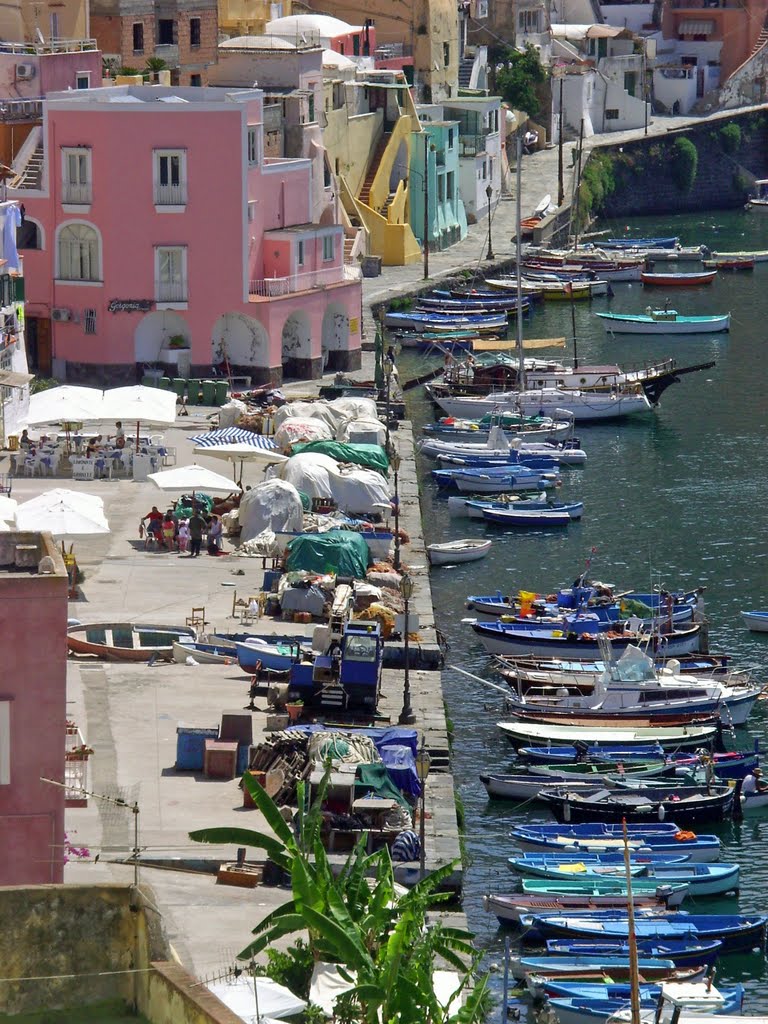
(250, 17)
(369, 121)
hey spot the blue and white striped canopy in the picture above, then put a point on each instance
(233, 435)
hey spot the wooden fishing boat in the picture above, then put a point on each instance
(758, 255)
(753, 803)
(126, 641)
(664, 321)
(523, 786)
(613, 1004)
(553, 965)
(664, 242)
(699, 849)
(215, 652)
(474, 508)
(736, 932)
(687, 804)
(731, 263)
(527, 517)
(756, 622)
(481, 323)
(595, 772)
(538, 982)
(672, 893)
(678, 280)
(701, 879)
(535, 733)
(508, 909)
(579, 675)
(454, 551)
(683, 952)
(565, 641)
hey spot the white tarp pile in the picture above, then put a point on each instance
(364, 431)
(294, 429)
(257, 999)
(273, 506)
(356, 491)
(340, 417)
(230, 414)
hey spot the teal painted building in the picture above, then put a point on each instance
(446, 218)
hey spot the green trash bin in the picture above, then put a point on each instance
(165, 383)
(222, 387)
(193, 391)
(180, 386)
(148, 382)
(209, 392)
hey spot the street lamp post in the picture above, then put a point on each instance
(423, 761)
(489, 193)
(388, 368)
(395, 460)
(407, 716)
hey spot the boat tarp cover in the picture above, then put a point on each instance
(508, 346)
(337, 552)
(372, 456)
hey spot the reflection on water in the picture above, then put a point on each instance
(677, 497)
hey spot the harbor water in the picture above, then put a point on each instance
(677, 497)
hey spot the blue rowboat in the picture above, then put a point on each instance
(278, 656)
(665, 242)
(587, 866)
(682, 952)
(648, 966)
(701, 849)
(590, 1011)
(590, 990)
(475, 508)
(536, 460)
(481, 322)
(673, 895)
(518, 639)
(583, 599)
(526, 517)
(664, 321)
(737, 932)
(596, 752)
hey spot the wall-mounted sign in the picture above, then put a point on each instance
(130, 305)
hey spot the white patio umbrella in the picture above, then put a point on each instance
(8, 508)
(61, 517)
(193, 479)
(75, 499)
(241, 452)
(65, 404)
(142, 404)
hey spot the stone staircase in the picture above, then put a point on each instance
(384, 211)
(373, 166)
(465, 72)
(762, 39)
(32, 175)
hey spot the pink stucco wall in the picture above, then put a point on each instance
(34, 681)
(53, 71)
(229, 207)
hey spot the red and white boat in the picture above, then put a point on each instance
(705, 277)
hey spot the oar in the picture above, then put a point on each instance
(478, 679)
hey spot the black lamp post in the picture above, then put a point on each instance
(489, 193)
(423, 761)
(394, 461)
(388, 368)
(407, 716)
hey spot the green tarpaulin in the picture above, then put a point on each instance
(376, 777)
(337, 552)
(372, 456)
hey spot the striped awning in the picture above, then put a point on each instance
(233, 435)
(695, 28)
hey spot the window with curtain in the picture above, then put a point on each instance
(171, 273)
(78, 253)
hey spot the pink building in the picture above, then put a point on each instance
(167, 237)
(33, 691)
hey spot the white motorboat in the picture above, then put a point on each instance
(753, 803)
(581, 405)
(454, 551)
(528, 733)
(499, 446)
(757, 622)
(664, 321)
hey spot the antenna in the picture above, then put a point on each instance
(116, 800)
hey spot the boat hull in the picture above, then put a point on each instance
(756, 622)
(500, 641)
(582, 406)
(568, 807)
(453, 553)
(615, 323)
(110, 640)
(534, 733)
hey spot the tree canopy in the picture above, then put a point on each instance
(517, 79)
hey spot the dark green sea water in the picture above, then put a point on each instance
(678, 497)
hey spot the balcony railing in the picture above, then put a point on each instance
(76, 194)
(273, 287)
(170, 195)
(21, 110)
(471, 145)
(52, 46)
(171, 291)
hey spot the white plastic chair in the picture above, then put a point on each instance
(156, 439)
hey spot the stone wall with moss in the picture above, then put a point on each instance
(709, 166)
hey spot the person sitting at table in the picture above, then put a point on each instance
(93, 446)
(24, 440)
(154, 521)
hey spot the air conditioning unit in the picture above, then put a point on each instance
(25, 71)
(60, 314)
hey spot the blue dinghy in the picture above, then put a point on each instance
(278, 654)
(648, 966)
(682, 952)
(613, 752)
(701, 849)
(737, 932)
(578, 1010)
(734, 995)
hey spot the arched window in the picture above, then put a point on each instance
(78, 253)
(29, 235)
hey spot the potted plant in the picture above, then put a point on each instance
(294, 709)
(177, 341)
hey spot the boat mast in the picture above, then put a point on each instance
(634, 978)
(518, 268)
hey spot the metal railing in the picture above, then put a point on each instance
(21, 110)
(471, 145)
(52, 46)
(77, 194)
(171, 291)
(273, 287)
(170, 195)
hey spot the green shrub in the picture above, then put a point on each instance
(683, 164)
(742, 184)
(730, 137)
